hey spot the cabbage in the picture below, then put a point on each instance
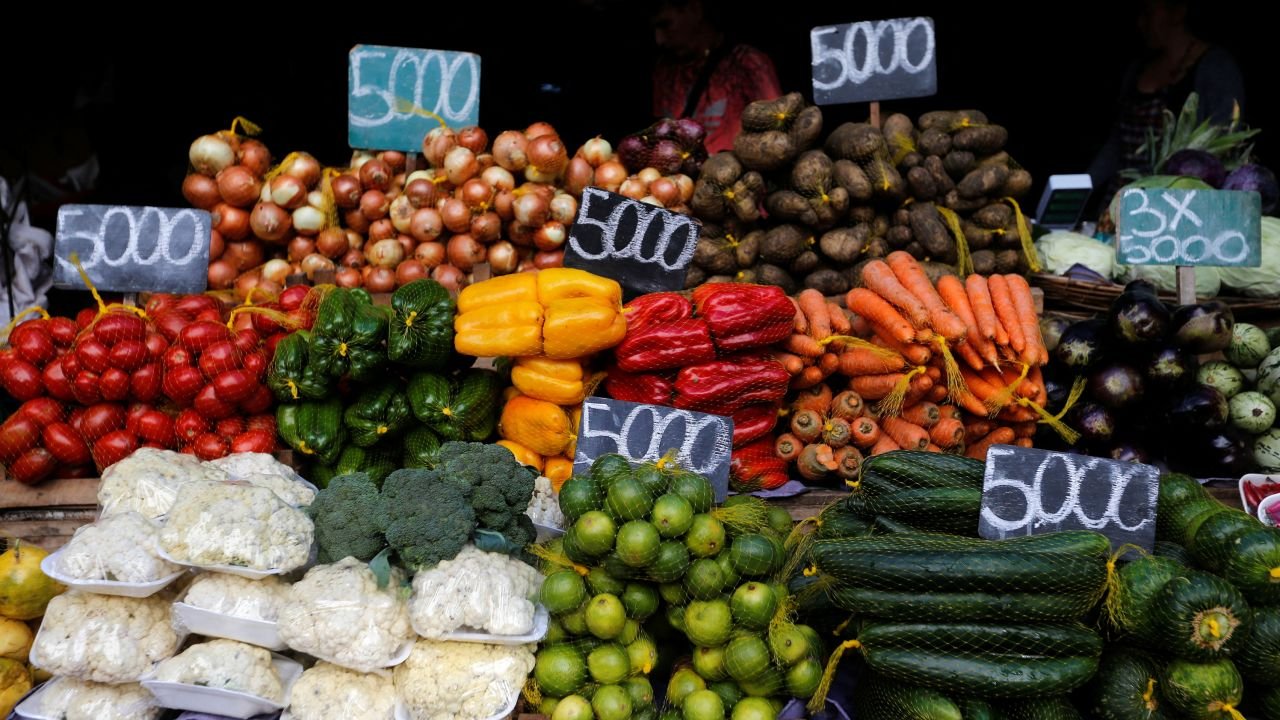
(1060, 250)
(1263, 281)
(1165, 277)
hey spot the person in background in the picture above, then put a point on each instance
(702, 75)
(1176, 64)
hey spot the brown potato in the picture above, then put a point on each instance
(899, 236)
(1008, 261)
(981, 140)
(1001, 158)
(958, 163)
(921, 183)
(898, 131)
(961, 205)
(916, 250)
(783, 243)
(767, 274)
(807, 262)
(765, 151)
(910, 160)
(984, 262)
(949, 120)
(748, 249)
(790, 206)
(827, 281)
(844, 245)
(935, 142)
(694, 277)
(886, 182)
(993, 216)
(879, 226)
(855, 141)
(982, 182)
(877, 248)
(978, 238)
(929, 230)
(936, 270)
(807, 128)
(941, 179)
(849, 176)
(715, 256)
(778, 114)
(862, 214)
(1018, 184)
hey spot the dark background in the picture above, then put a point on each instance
(139, 95)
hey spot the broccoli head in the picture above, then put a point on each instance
(431, 519)
(500, 486)
(350, 518)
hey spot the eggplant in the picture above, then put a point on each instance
(1128, 452)
(1199, 407)
(1095, 423)
(1116, 386)
(1137, 318)
(1222, 452)
(1051, 329)
(1082, 345)
(1170, 368)
(1204, 327)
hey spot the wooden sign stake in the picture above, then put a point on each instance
(875, 114)
(1186, 285)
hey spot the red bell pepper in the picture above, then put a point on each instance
(725, 386)
(743, 316)
(656, 308)
(665, 345)
(647, 388)
(756, 467)
(754, 422)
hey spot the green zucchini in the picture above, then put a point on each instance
(1127, 687)
(950, 510)
(1054, 708)
(1049, 640)
(1214, 541)
(994, 676)
(1138, 583)
(1176, 490)
(1203, 691)
(1254, 566)
(1181, 523)
(920, 470)
(1268, 703)
(1171, 550)
(1259, 659)
(856, 505)
(1199, 617)
(1068, 542)
(883, 699)
(836, 521)
(934, 606)
(888, 526)
(975, 709)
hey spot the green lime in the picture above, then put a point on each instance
(609, 664)
(555, 633)
(638, 542)
(803, 678)
(675, 617)
(605, 616)
(548, 706)
(608, 469)
(753, 708)
(579, 495)
(709, 662)
(728, 692)
(789, 644)
(780, 521)
(671, 563)
(673, 593)
(628, 500)
(594, 532)
(704, 579)
(575, 623)
(708, 623)
(652, 479)
(731, 576)
(746, 658)
(640, 600)
(684, 682)
(754, 605)
(574, 707)
(693, 488)
(705, 537)
(600, 581)
(672, 515)
(641, 692)
(559, 670)
(769, 683)
(754, 555)
(643, 654)
(703, 705)
(563, 591)
(630, 631)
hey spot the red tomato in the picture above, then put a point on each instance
(114, 385)
(79, 471)
(208, 403)
(218, 358)
(170, 323)
(85, 388)
(21, 379)
(247, 340)
(119, 326)
(55, 382)
(269, 347)
(101, 419)
(33, 342)
(263, 323)
(17, 435)
(210, 315)
(200, 335)
(75, 418)
(35, 465)
(146, 382)
(233, 386)
(182, 384)
(93, 355)
(178, 356)
(61, 440)
(63, 330)
(259, 402)
(156, 345)
(113, 447)
(261, 422)
(129, 354)
(255, 441)
(154, 426)
(86, 317)
(70, 365)
(43, 411)
(159, 302)
(292, 298)
(255, 364)
(210, 447)
(188, 425)
(194, 304)
(134, 414)
(230, 427)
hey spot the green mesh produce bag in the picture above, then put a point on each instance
(420, 332)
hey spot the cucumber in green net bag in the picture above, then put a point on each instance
(420, 332)
(1203, 691)
(1127, 687)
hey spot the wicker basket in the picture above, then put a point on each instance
(1073, 297)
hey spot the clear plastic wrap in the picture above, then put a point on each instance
(544, 509)
(236, 524)
(337, 613)
(478, 590)
(265, 471)
(236, 596)
(328, 691)
(105, 638)
(227, 665)
(147, 481)
(118, 548)
(461, 681)
(72, 699)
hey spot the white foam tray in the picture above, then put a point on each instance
(237, 570)
(1267, 504)
(220, 701)
(212, 624)
(29, 708)
(402, 712)
(1254, 479)
(49, 566)
(541, 621)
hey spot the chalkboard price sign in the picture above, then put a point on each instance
(1190, 227)
(874, 60)
(644, 247)
(396, 94)
(1029, 492)
(133, 249)
(645, 433)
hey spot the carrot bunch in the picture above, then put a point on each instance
(828, 433)
(813, 351)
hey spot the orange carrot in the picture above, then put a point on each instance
(1024, 442)
(914, 352)
(814, 306)
(954, 294)
(1024, 429)
(865, 432)
(788, 447)
(949, 411)
(1017, 414)
(800, 323)
(840, 324)
(847, 405)
(933, 448)
(884, 444)
(920, 387)
(979, 386)
(970, 403)
(880, 278)
(815, 461)
(875, 387)
(859, 325)
(1002, 301)
(949, 432)
(860, 361)
(936, 394)
(803, 345)
(980, 300)
(793, 363)
(883, 317)
(979, 427)
(1024, 305)
(911, 275)
(906, 434)
(924, 414)
(816, 398)
(828, 363)
(999, 436)
(807, 378)
(934, 372)
(1036, 378)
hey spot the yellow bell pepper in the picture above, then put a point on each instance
(512, 330)
(524, 455)
(501, 290)
(541, 426)
(565, 283)
(556, 381)
(577, 327)
(558, 470)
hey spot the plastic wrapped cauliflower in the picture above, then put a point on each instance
(225, 664)
(104, 638)
(265, 471)
(544, 509)
(339, 614)
(461, 681)
(236, 524)
(327, 691)
(147, 481)
(70, 699)
(236, 596)
(120, 548)
(480, 590)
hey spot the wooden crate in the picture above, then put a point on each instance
(47, 514)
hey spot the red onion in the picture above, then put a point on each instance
(486, 227)
(449, 276)
(385, 253)
(596, 151)
(346, 191)
(564, 208)
(425, 225)
(473, 138)
(503, 258)
(510, 150)
(464, 252)
(255, 156)
(221, 275)
(456, 216)
(409, 270)
(430, 254)
(381, 230)
(232, 222)
(201, 191)
(270, 221)
(460, 165)
(375, 175)
(374, 204)
(332, 242)
(308, 220)
(211, 154)
(288, 192)
(550, 236)
(401, 213)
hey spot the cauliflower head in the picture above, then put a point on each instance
(120, 548)
(339, 614)
(236, 596)
(225, 664)
(461, 681)
(104, 638)
(543, 508)
(236, 524)
(71, 699)
(484, 591)
(264, 470)
(328, 691)
(147, 482)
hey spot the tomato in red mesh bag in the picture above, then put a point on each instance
(756, 467)
(171, 313)
(116, 358)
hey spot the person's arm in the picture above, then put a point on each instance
(1220, 86)
(764, 78)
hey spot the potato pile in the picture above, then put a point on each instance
(787, 208)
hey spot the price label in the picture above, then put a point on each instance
(397, 94)
(644, 247)
(1220, 228)
(873, 60)
(1030, 492)
(133, 249)
(646, 433)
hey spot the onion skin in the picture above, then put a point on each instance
(473, 138)
(464, 252)
(550, 236)
(375, 175)
(596, 151)
(354, 259)
(270, 222)
(407, 244)
(503, 258)
(395, 160)
(502, 204)
(539, 129)
(409, 270)
(221, 275)
(380, 280)
(437, 143)
(611, 175)
(401, 213)
(374, 204)
(217, 245)
(553, 259)
(521, 235)
(304, 167)
(564, 208)
(381, 230)
(456, 216)
(578, 176)
(450, 277)
(498, 178)
(299, 248)
(666, 191)
(255, 156)
(243, 255)
(385, 253)
(201, 191)
(348, 278)
(633, 188)
(332, 243)
(430, 254)
(530, 209)
(355, 220)
(288, 191)
(486, 227)
(476, 193)
(346, 191)
(315, 262)
(276, 270)
(510, 150)
(211, 154)
(426, 224)
(460, 165)
(648, 175)
(232, 222)
(421, 193)
(238, 186)
(547, 154)
(308, 220)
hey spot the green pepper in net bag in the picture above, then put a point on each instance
(291, 377)
(464, 407)
(313, 428)
(380, 412)
(376, 462)
(421, 448)
(420, 332)
(348, 336)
